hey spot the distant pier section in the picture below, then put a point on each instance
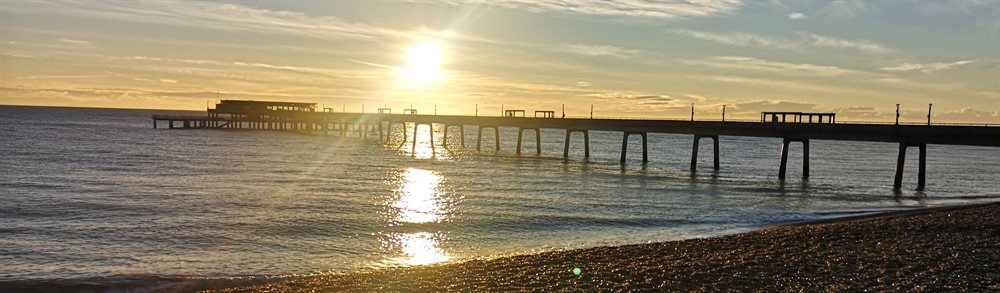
(791, 127)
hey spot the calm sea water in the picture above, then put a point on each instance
(99, 196)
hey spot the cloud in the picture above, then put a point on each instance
(582, 84)
(796, 16)
(696, 97)
(928, 67)
(638, 98)
(645, 9)
(165, 80)
(740, 39)
(966, 115)
(845, 9)
(773, 105)
(216, 16)
(590, 50)
(76, 42)
(754, 64)
(861, 113)
(802, 41)
(838, 43)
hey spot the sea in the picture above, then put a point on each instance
(99, 199)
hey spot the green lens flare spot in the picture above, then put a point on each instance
(577, 271)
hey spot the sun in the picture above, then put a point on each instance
(424, 63)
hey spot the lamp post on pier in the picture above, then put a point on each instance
(929, 113)
(692, 111)
(723, 113)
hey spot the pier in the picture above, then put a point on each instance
(303, 117)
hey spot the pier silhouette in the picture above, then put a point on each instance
(302, 117)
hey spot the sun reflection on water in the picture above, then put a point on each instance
(419, 198)
(417, 202)
(425, 147)
(420, 248)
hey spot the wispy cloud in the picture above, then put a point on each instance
(216, 16)
(740, 39)
(796, 16)
(773, 105)
(845, 9)
(76, 42)
(754, 64)
(928, 67)
(803, 40)
(838, 43)
(646, 9)
(591, 50)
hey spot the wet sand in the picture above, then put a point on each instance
(949, 248)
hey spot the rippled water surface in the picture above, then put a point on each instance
(99, 194)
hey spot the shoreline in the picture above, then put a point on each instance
(936, 248)
(627, 267)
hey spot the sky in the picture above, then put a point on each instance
(630, 58)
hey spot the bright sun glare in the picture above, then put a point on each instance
(424, 60)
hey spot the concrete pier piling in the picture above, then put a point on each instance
(625, 135)
(784, 157)
(921, 166)
(538, 140)
(496, 133)
(715, 148)
(461, 134)
(430, 127)
(586, 143)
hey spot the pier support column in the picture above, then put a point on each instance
(645, 157)
(445, 142)
(430, 127)
(381, 136)
(566, 145)
(921, 167)
(479, 137)
(538, 140)
(402, 131)
(784, 157)
(586, 142)
(461, 133)
(415, 126)
(694, 151)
